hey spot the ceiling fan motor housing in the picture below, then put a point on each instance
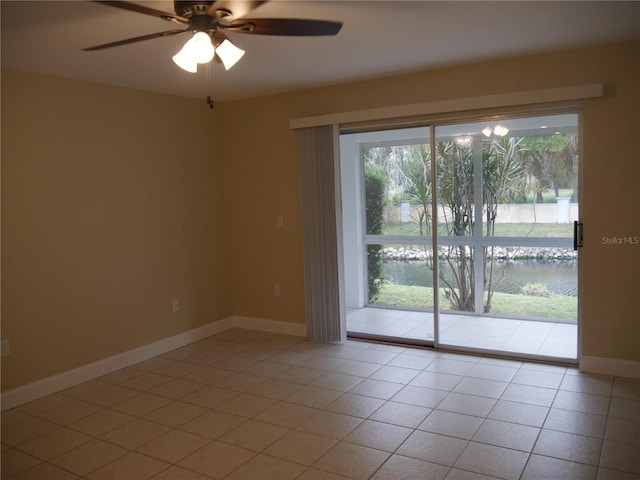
(199, 16)
(189, 9)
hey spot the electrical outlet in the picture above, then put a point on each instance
(175, 305)
(279, 221)
(5, 348)
(276, 289)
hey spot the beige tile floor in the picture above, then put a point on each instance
(253, 405)
(507, 335)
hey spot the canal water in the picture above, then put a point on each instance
(559, 277)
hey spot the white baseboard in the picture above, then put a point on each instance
(262, 325)
(38, 389)
(610, 366)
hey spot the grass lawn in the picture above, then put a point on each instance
(501, 229)
(556, 306)
(549, 195)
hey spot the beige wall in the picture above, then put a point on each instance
(262, 158)
(110, 209)
(112, 205)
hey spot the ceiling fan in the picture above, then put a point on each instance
(209, 22)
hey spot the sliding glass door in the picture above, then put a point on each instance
(461, 235)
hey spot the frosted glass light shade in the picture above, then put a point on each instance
(197, 50)
(202, 47)
(500, 130)
(185, 61)
(229, 54)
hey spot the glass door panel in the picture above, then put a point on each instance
(506, 200)
(396, 291)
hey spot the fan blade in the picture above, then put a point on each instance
(285, 26)
(135, 7)
(236, 8)
(135, 39)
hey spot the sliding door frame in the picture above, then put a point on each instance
(477, 240)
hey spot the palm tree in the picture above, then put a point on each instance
(455, 189)
(417, 184)
(503, 179)
(550, 161)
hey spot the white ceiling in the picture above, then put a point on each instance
(378, 38)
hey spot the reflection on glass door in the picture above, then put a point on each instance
(506, 199)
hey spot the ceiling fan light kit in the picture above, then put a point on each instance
(498, 130)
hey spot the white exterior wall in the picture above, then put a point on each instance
(512, 213)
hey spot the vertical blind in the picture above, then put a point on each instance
(321, 224)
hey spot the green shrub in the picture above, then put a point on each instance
(536, 290)
(375, 185)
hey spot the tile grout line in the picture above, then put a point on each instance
(340, 360)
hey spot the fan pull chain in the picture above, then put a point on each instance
(209, 98)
